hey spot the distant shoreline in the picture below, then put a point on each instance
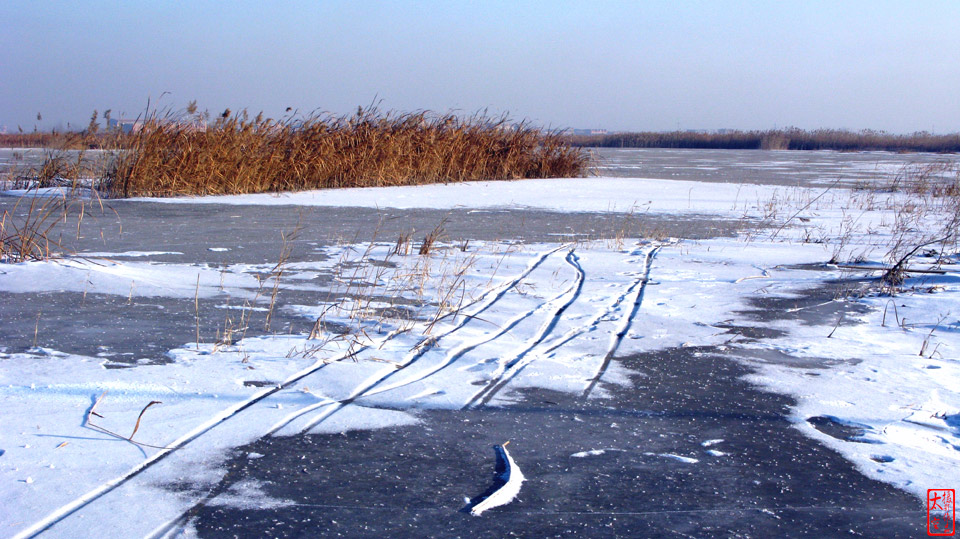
(782, 139)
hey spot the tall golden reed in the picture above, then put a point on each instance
(237, 154)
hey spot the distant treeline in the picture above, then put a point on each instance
(70, 140)
(781, 139)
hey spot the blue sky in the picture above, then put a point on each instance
(617, 65)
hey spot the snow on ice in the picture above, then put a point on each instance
(895, 376)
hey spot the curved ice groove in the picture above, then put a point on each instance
(574, 291)
(575, 332)
(458, 352)
(294, 415)
(639, 285)
(508, 369)
(625, 322)
(487, 299)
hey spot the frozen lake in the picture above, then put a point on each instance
(764, 167)
(727, 166)
(652, 343)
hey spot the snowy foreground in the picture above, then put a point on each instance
(469, 325)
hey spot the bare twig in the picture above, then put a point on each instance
(139, 417)
(88, 422)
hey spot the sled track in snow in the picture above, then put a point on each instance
(640, 285)
(634, 293)
(486, 299)
(635, 290)
(514, 365)
(365, 388)
(460, 351)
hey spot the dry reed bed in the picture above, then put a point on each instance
(238, 154)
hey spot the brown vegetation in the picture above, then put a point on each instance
(47, 139)
(25, 232)
(928, 220)
(237, 154)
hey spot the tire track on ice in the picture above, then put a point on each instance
(554, 344)
(509, 369)
(591, 325)
(626, 321)
(364, 388)
(461, 350)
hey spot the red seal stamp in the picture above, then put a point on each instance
(941, 512)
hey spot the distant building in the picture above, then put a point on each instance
(589, 131)
(133, 126)
(124, 126)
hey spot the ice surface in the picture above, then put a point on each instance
(567, 308)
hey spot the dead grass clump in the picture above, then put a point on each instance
(928, 218)
(34, 228)
(26, 236)
(237, 154)
(402, 247)
(431, 238)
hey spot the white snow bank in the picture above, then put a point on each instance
(596, 194)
